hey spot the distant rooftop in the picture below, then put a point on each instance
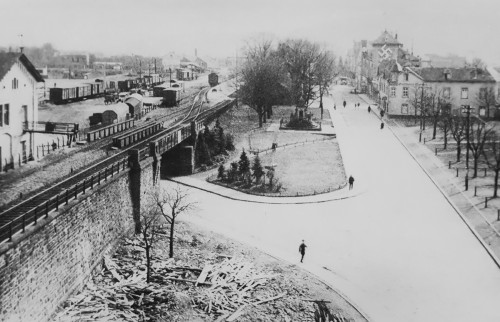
(469, 74)
(386, 38)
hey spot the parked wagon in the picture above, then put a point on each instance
(62, 95)
(171, 96)
(134, 103)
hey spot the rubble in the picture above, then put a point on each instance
(208, 282)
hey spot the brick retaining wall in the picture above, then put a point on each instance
(43, 266)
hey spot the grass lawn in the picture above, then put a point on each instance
(304, 169)
(308, 169)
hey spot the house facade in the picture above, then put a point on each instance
(401, 89)
(18, 105)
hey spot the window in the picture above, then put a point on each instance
(482, 93)
(15, 83)
(393, 91)
(447, 92)
(6, 114)
(404, 108)
(405, 92)
(465, 93)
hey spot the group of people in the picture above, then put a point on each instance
(369, 111)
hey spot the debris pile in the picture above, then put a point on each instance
(232, 284)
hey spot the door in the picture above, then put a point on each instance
(23, 147)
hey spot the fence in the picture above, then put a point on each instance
(43, 149)
(265, 151)
(32, 216)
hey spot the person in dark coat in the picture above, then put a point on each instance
(351, 182)
(381, 125)
(302, 250)
(334, 106)
(345, 103)
(369, 109)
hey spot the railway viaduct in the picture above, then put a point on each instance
(55, 255)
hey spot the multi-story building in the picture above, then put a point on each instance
(405, 87)
(18, 107)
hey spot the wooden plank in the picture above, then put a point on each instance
(203, 275)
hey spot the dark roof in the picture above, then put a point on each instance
(466, 75)
(386, 38)
(7, 60)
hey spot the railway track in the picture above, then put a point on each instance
(28, 212)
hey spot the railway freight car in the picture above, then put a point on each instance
(171, 96)
(62, 95)
(134, 103)
(213, 79)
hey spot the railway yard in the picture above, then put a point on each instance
(33, 191)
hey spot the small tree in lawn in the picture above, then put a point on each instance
(479, 133)
(457, 128)
(220, 174)
(151, 221)
(444, 125)
(171, 204)
(244, 165)
(492, 156)
(257, 169)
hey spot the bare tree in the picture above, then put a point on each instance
(478, 133)
(262, 77)
(172, 203)
(151, 221)
(300, 58)
(326, 73)
(458, 126)
(492, 157)
(444, 125)
(486, 98)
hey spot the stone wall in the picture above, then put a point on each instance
(43, 266)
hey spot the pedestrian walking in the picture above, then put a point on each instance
(334, 107)
(382, 125)
(382, 113)
(369, 109)
(351, 182)
(345, 103)
(302, 250)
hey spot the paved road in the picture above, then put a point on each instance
(398, 251)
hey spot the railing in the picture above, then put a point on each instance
(109, 130)
(32, 216)
(51, 127)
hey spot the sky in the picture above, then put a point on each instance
(220, 28)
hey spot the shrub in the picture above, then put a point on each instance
(220, 174)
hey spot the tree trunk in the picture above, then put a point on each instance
(172, 226)
(445, 132)
(435, 128)
(497, 170)
(321, 104)
(459, 151)
(148, 263)
(264, 118)
(259, 113)
(475, 166)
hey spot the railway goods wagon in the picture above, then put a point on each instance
(125, 85)
(84, 91)
(134, 103)
(96, 89)
(171, 96)
(213, 79)
(158, 90)
(136, 135)
(62, 95)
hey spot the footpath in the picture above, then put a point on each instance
(466, 207)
